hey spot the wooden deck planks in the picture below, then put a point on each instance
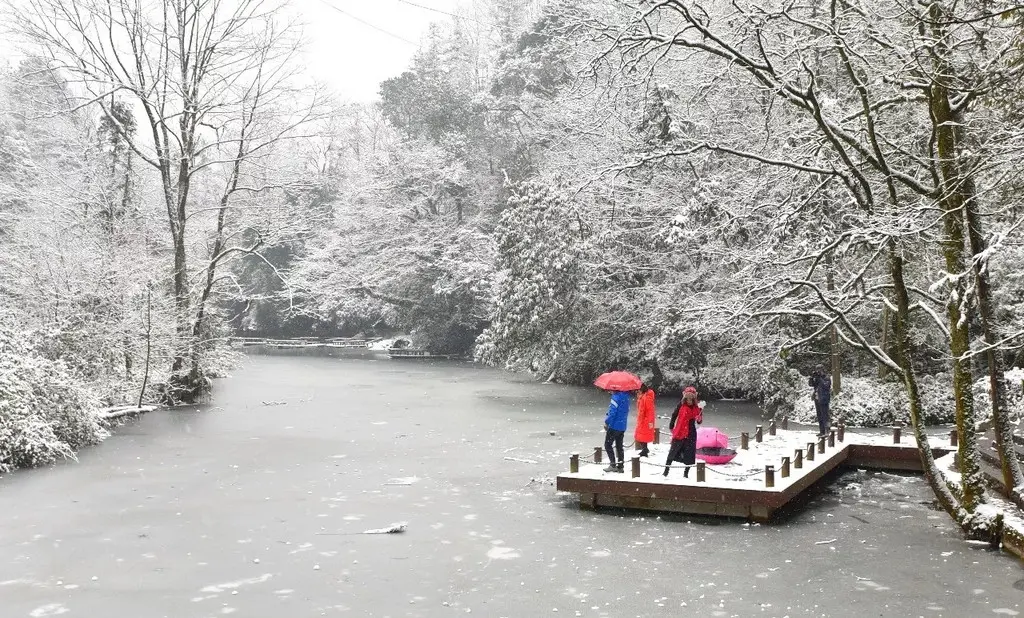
(750, 503)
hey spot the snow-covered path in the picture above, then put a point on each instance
(256, 510)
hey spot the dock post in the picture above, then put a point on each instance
(896, 434)
(810, 451)
(821, 444)
(769, 476)
(832, 437)
(597, 454)
(744, 440)
(636, 467)
(798, 458)
(785, 423)
(574, 463)
(842, 431)
(700, 471)
(785, 467)
(954, 438)
(771, 427)
(657, 435)
(758, 434)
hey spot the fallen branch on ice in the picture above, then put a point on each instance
(392, 529)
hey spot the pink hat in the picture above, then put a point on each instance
(689, 389)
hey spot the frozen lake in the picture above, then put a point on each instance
(254, 510)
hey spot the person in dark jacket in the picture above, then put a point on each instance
(615, 429)
(821, 382)
(684, 431)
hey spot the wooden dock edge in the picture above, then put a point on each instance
(758, 506)
(754, 505)
(896, 457)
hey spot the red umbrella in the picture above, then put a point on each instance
(618, 381)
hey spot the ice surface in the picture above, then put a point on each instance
(157, 511)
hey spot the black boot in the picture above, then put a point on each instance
(620, 467)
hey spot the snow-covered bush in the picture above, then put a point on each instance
(1014, 381)
(734, 371)
(780, 390)
(46, 414)
(869, 402)
(537, 319)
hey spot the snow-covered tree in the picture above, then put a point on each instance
(214, 89)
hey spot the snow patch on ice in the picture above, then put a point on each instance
(218, 588)
(403, 480)
(502, 553)
(865, 584)
(52, 609)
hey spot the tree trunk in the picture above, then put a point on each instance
(181, 305)
(954, 250)
(834, 352)
(657, 377)
(149, 342)
(1013, 477)
(903, 358)
(883, 339)
(958, 204)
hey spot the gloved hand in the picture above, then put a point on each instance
(606, 426)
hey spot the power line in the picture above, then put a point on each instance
(366, 23)
(430, 8)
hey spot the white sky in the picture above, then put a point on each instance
(353, 57)
(349, 56)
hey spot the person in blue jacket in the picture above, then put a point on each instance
(615, 429)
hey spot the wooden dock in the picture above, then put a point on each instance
(415, 353)
(303, 342)
(772, 469)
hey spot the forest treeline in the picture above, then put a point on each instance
(717, 192)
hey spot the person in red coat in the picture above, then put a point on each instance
(644, 432)
(684, 431)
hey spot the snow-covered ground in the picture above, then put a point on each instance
(121, 411)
